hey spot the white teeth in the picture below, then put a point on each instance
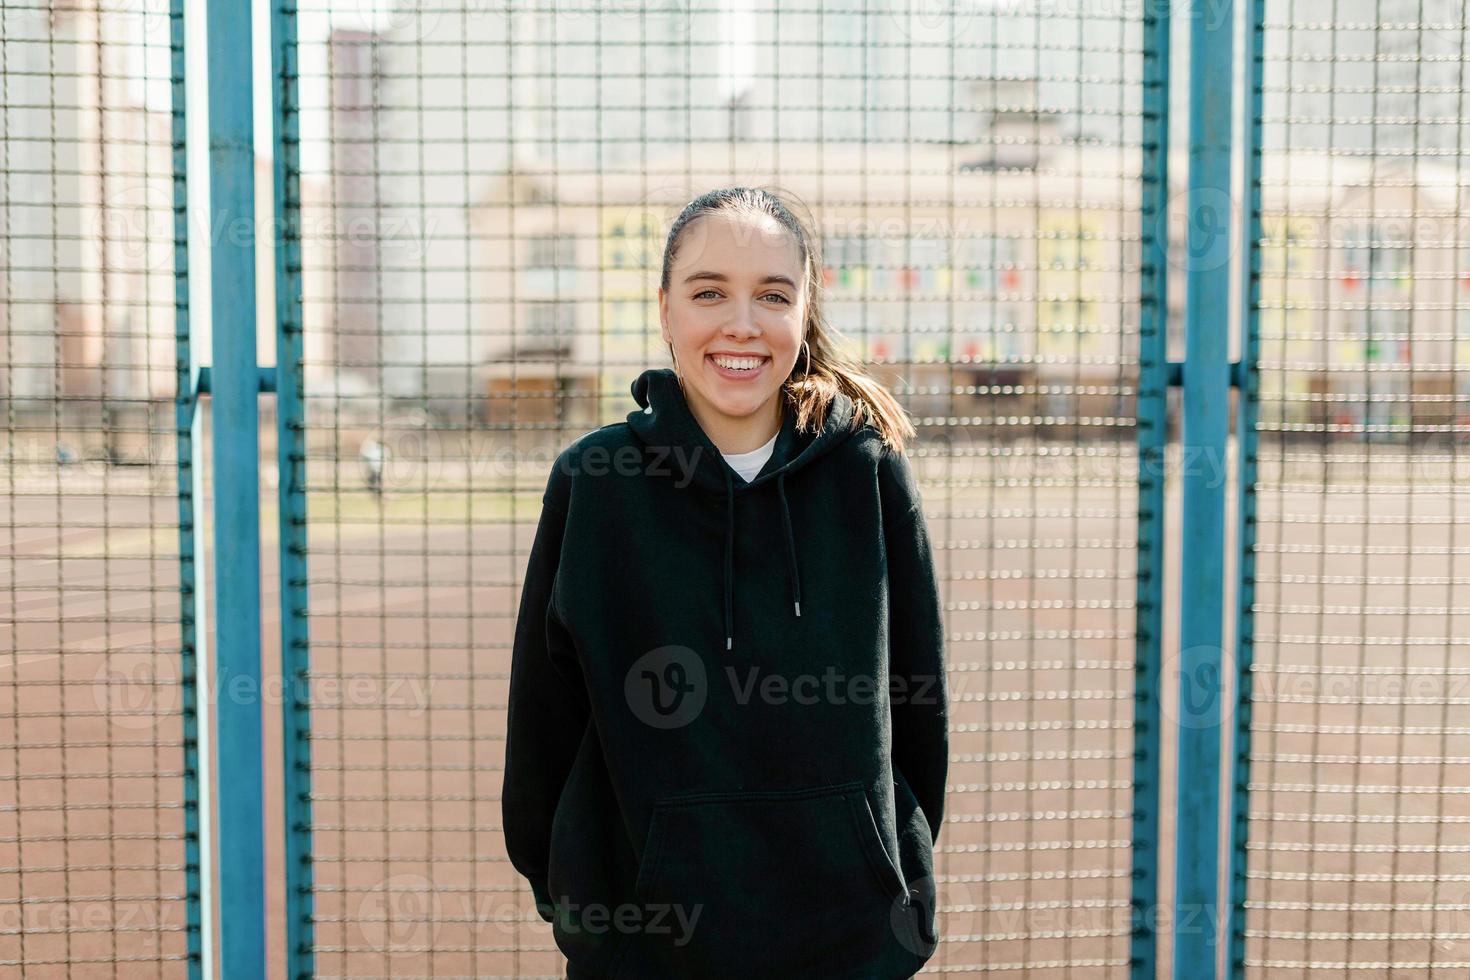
(738, 363)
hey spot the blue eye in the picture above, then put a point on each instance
(707, 292)
(779, 296)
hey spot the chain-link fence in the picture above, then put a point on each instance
(98, 818)
(472, 205)
(485, 196)
(1360, 720)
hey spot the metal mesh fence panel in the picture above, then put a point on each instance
(484, 196)
(1360, 732)
(96, 815)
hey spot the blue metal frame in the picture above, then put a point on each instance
(1246, 439)
(235, 418)
(185, 443)
(1206, 375)
(1154, 376)
(291, 457)
(1206, 426)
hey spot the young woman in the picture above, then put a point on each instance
(726, 739)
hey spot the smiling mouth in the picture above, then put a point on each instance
(738, 367)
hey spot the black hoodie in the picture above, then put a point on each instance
(726, 738)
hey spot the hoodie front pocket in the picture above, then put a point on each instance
(768, 882)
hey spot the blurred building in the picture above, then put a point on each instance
(968, 74)
(87, 296)
(992, 278)
(354, 203)
(469, 94)
(1365, 296)
(1376, 76)
(473, 100)
(979, 198)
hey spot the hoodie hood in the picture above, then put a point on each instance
(665, 420)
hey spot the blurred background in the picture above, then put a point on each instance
(479, 200)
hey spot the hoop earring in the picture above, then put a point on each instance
(808, 372)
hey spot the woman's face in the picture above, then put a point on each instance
(735, 310)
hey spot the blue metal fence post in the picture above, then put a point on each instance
(1153, 408)
(235, 419)
(291, 458)
(1206, 426)
(186, 443)
(1246, 439)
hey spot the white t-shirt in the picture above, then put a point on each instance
(749, 464)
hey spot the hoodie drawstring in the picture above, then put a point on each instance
(672, 423)
(790, 542)
(730, 552)
(729, 557)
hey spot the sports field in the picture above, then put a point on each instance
(1361, 718)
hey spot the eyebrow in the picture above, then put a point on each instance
(721, 277)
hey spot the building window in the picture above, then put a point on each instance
(549, 326)
(844, 251)
(551, 251)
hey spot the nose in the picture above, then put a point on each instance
(744, 323)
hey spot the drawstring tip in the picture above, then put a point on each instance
(728, 641)
(798, 609)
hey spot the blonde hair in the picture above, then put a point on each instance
(825, 367)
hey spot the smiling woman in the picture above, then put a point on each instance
(727, 719)
(741, 308)
(734, 312)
